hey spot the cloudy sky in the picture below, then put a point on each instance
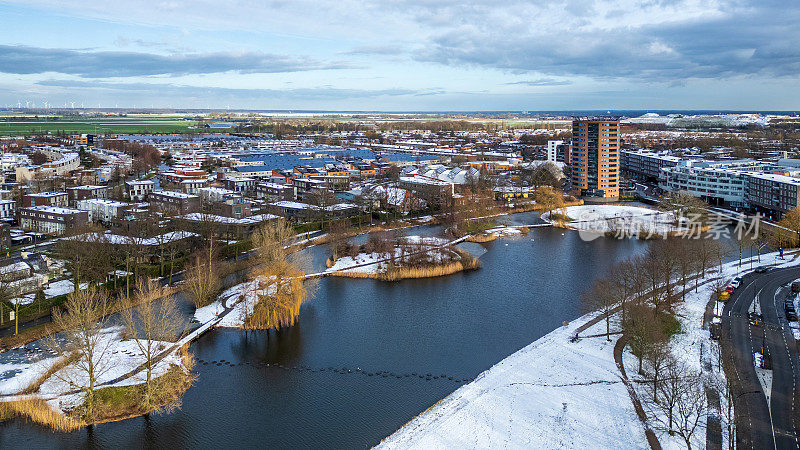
(403, 54)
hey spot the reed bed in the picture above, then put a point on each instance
(395, 273)
(481, 238)
(38, 411)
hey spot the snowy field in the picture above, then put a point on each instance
(22, 366)
(560, 394)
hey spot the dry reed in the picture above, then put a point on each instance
(481, 238)
(38, 411)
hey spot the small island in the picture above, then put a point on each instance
(392, 259)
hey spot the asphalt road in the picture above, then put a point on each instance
(758, 425)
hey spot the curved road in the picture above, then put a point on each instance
(759, 425)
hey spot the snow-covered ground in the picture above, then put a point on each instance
(623, 219)
(241, 298)
(121, 357)
(555, 393)
(505, 232)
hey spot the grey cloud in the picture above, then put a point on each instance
(762, 39)
(30, 60)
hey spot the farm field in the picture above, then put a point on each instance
(11, 125)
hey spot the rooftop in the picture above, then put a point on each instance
(53, 209)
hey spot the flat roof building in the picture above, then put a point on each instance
(595, 158)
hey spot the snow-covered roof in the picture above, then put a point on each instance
(292, 205)
(175, 194)
(197, 217)
(53, 209)
(16, 267)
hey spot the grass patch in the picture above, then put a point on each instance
(475, 226)
(669, 323)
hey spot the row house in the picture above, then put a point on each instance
(57, 199)
(365, 170)
(79, 193)
(175, 202)
(192, 186)
(274, 192)
(139, 191)
(306, 171)
(240, 184)
(281, 176)
(51, 219)
(308, 186)
(103, 210)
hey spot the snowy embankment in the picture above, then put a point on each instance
(551, 394)
(556, 393)
(623, 219)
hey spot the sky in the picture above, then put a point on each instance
(402, 55)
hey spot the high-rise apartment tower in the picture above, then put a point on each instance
(595, 158)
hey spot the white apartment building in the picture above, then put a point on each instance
(139, 190)
(552, 150)
(705, 180)
(215, 194)
(8, 209)
(102, 210)
(11, 161)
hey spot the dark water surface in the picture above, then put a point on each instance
(456, 326)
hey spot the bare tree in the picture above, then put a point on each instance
(672, 388)
(202, 281)
(657, 355)
(642, 328)
(150, 319)
(686, 261)
(603, 295)
(687, 405)
(87, 255)
(86, 343)
(272, 241)
(338, 232)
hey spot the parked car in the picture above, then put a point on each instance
(736, 282)
(791, 313)
(730, 289)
